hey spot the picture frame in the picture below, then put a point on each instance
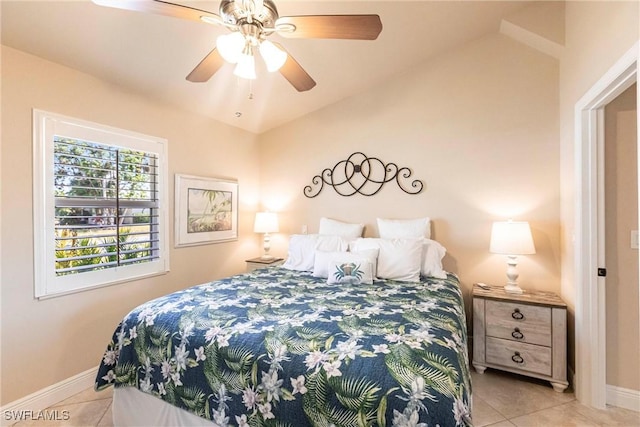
(206, 210)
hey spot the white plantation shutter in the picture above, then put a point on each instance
(106, 206)
(105, 221)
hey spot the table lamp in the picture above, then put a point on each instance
(266, 222)
(512, 238)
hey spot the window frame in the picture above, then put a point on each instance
(46, 126)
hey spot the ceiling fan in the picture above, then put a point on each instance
(251, 22)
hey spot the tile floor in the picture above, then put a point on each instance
(499, 399)
(503, 399)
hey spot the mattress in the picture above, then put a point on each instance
(282, 347)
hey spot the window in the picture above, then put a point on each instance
(100, 200)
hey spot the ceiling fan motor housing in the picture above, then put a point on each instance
(239, 12)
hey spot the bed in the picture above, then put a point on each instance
(284, 347)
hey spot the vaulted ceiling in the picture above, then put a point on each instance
(152, 54)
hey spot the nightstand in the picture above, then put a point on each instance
(524, 334)
(254, 263)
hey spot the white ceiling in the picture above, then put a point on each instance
(152, 54)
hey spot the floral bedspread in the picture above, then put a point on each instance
(282, 348)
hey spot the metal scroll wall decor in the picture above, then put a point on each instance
(359, 174)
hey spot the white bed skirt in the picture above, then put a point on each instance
(131, 407)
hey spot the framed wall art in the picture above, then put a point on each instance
(206, 210)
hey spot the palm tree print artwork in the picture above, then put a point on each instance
(209, 210)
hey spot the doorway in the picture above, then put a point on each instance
(621, 250)
(590, 332)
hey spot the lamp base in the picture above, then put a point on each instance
(513, 289)
(267, 247)
(512, 275)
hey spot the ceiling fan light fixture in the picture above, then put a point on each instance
(246, 67)
(250, 22)
(273, 56)
(230, 46)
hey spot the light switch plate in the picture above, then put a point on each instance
(634, 239)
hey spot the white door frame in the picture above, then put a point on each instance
(590, 338)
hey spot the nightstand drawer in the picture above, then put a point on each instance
(519, 322)
(515, 355)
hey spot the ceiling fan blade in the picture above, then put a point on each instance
(295, 74)
(355, 27)
(161, 8)
(206, 68)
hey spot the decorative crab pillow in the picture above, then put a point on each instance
(322, 259)
(350, 270)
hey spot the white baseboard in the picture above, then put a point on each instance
(623, 398)
(48, 396)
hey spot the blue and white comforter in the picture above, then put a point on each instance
(281, 348)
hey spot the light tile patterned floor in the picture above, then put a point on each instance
(499, 400)
(503, 399)
(88, 408)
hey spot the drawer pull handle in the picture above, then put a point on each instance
(517, 358)
(517, 315)
(517, 334)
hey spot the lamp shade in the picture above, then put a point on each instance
(246, 67)
(273, 56)
(511, 238)
(230, 46)
(266, 222)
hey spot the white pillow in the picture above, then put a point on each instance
(323, 258)
(404, 228)
(302, 249)
(338, 228)
(398, 259)
(350, 271)
(432, 254)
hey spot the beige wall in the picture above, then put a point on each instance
(479, 125)
(486, 127)
(597, 34)
(44, 342)
(621, 212)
